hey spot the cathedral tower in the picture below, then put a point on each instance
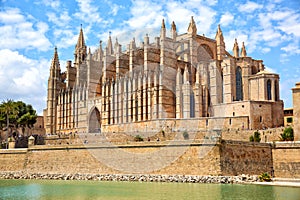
(53, 89)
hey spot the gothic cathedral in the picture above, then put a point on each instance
(180, 81)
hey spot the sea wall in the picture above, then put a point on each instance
(227, 158)
(154, 158)
(286, 159)
(245, 158)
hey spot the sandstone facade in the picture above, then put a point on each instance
(179, 77)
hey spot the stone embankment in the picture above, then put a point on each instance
(133, 177)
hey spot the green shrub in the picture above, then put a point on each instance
(287, 135)
(138, 138)
(265, 177)
(255, 137)
(251, 138)
(185, 135)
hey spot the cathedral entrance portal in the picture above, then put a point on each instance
(94, 121)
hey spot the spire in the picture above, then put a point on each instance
(80, 41)
(235, 49)
(220, 44)
(116, 46)
(55, 60)
(243, 51)
(163, 30)
(163, 24)
(109, 45)
(192, 27)
(100, 48)
(173, 30)
(219, 33)
(80, 49)
(132, 44)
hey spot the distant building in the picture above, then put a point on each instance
(288, 117)
(176, 81)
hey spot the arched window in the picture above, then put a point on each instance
(239, 84)
(269, 92)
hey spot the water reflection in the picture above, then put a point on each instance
(44, 189)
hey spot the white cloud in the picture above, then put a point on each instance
(23, 78)
(226, 19)
(291, 24)
(292, 48)
(249, 7)
(62, 20)
(19, 33)
(52, 3)
(87, 12)
(265, 50)
(142, 16)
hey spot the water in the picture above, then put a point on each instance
(46, 189)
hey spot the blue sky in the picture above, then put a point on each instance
(30, 29)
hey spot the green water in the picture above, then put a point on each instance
(45, 189)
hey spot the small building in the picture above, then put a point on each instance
(288, 116)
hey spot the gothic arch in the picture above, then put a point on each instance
(94, 122)
(204, 53)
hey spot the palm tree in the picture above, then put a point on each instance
(10, 109)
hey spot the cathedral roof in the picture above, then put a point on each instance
(265, 72)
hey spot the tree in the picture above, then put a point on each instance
(17, 114)
(288, 134)
(9, 109)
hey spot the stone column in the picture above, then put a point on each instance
(134, 96)
(296, 111)
(149, 88)
(130, 100)
(125, 100)
(178, 94)
(155, 97)
(120, 100)
(273, 89)
(112, 102)
(144, 82)
(186, 89)
(140, 98)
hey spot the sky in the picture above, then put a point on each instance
(30, 30)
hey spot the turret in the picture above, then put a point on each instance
(163, 30)
(192, 29)
(235, 49)
(80, 48)
(109, 48)
(173, 31)
(243, 51)
(220, 44)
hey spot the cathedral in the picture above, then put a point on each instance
(177, 82)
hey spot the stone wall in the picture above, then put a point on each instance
(286, 159)
(12, 159)
(245, 158)
(208, 158)
(267, 135)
